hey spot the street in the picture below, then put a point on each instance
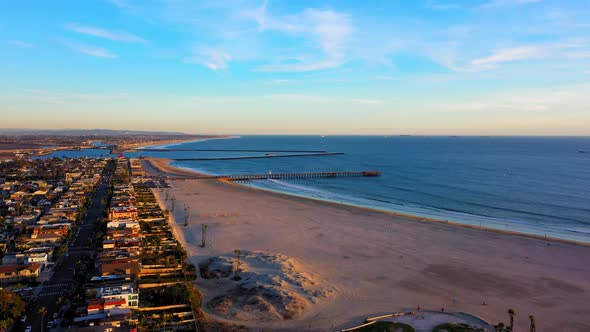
(80, 249)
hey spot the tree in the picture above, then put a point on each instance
(533, 327)
(11, 308)
(203, 234)
(42, 312)
(500, 327)
(166, 318)
(511, 313)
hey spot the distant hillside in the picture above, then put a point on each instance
(84, 132)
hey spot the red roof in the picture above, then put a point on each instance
(7, 269)
(114, 302)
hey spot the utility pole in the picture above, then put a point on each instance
(203, 235)
(237, 253)
(186, 214)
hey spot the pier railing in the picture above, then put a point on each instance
(278, 176)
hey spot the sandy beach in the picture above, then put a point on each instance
(375, 263)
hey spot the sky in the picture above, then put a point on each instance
(378, 67)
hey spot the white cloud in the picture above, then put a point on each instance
(119, 3)
(19, 43)
(579, 55)
(552, 100)
(329, 30)
(106, 34)
(367, 101)
(506, 3)
(542, 51)
(437, 5)
(300, 66)
(91, 50)
(509, 55)
(210, 58)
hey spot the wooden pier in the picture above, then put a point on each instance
(305, 175)
(281, 176)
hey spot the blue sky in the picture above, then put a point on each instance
(490, 67)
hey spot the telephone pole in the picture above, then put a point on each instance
(186, 214)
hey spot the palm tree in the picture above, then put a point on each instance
(42, 312)
(511, 313)
(533, 327)
(166, 318)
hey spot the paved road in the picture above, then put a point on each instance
(82, 247)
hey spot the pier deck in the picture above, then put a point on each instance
(278, 176)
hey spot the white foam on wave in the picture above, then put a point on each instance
(571, 233)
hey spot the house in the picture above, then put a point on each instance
(25, 258)
(121, 267)
(15, 273)
(123, 212)
(115, 293)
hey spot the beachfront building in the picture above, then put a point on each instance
(124, 294)
(122, 212)
(25, 258)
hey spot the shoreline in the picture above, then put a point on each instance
(164, 165)
(377, 262)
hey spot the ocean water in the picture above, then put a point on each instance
(536, 185)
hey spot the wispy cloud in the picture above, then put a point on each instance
(509, 55)
(521, 53)
(300, 66)
(105, 34)
(506, 3)
(91, 50)
(569, 97)
(579, 55)
(329, 30)
(211, 58)
(367, 101)
(19, 43)
(119, 3)
(438, 5)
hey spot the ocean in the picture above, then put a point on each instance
(536, 185)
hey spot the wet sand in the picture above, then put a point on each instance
(383, 262)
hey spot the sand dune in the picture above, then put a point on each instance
(376, 263)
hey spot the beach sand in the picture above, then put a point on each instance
(376, 263)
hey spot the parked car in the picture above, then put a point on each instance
(23, 318)
(28, 329)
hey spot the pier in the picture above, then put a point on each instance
(279, 176)
(304, 175)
